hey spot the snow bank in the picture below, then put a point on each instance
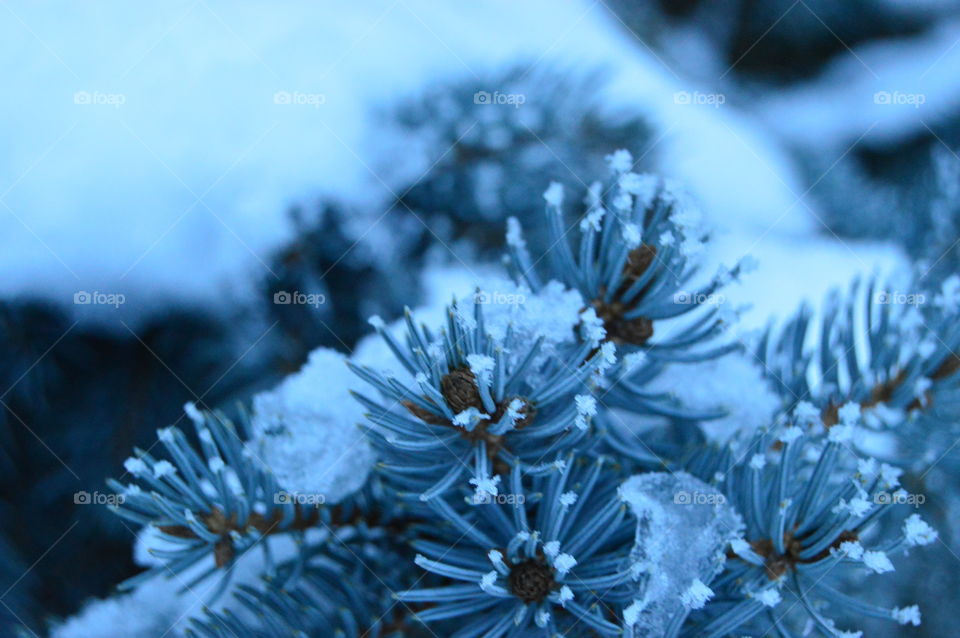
(883, 92)
(158, 607)
(794, 269)
(157, 148)
(307, 430)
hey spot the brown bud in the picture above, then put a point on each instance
(223, 552)
(638, 260)
(635, 331)
(460, 390)
(531, 581)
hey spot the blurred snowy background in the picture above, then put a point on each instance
(195, 194)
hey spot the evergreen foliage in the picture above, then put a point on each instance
(497, 507)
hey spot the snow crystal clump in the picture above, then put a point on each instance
(552, 313)
(683, 529)
(306, 430)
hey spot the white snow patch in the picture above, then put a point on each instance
(306, 430)
(733, 383)
(156, 609)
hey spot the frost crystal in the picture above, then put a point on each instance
(857, 506)
(481, 366)
(192, 412)
(697, 595)
(849, 414)
(852, 549)
(620, 160)
(542, 618)
(890, 475)
(806, 413)
(917, 532)
(623, 201)
(741, 547)
(877, 561)
(485, 485)
(949, 297)
(306, 430)
(769, 597)
(631, 235)
(592, 220)
(564, 563)
(554, 194)
(594, 196)
(791, 434)
(592, 326)
(135, 466)
(515, 233)
(643, 186)
(568, 498)
(586, 408)
(683, 529)
(469, 418)
(609, 353)
(907, 615)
